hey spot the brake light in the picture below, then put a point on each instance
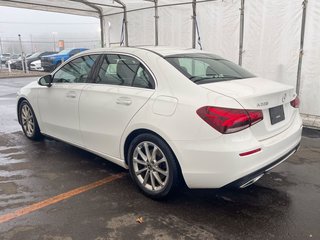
(295, 102)
(228, 120)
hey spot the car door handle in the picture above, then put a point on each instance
(71, 94)
(124, 101)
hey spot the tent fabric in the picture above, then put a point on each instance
(219, 27)
(141, 28)
(175, 26)
(310, 79)
(271, 33)
(60, 6)
(271, 39)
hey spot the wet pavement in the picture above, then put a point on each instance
(284, 204)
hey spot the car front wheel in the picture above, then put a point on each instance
(153, 166)
(29, 122)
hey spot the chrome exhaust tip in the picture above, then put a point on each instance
(252, 181)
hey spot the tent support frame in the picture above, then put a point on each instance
(161, 6)
(48, 6)
(241, 32)
(156, 23)
(102, 30)
(99, 10)
(303, 28)
(125, 20)
(194, 19)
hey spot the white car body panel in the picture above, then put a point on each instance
(99, 118)
(105, 111)
(58, 108)
(36, 66)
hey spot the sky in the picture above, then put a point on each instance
(39, 30)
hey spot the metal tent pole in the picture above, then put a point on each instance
(125, 20)
(48, 6)
(303, 28)
(100, 12)
(1, 54)
(126, 25)
(156, 23)
(194, 27)
(1, 48)
(22, 53)
(241, 32)
(102, 30)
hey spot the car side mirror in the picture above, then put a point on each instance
(45, 81)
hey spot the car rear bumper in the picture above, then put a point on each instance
(255, 176)
(216, 163)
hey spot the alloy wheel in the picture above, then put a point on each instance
(150, 166)
(28, 122)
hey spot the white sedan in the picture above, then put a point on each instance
(169, 115)
(36, 66)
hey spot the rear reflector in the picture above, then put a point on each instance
(295, 102)
(228, 120)
(250, 152)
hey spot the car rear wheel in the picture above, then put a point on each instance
(29, 122)
(153, 166)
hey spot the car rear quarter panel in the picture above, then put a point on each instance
(171, 111)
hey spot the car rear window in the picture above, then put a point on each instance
(206, 68)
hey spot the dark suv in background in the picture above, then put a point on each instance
(34, 57)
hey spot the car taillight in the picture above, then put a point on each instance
(295, 102)
(228, 120)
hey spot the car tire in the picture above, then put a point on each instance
(155, 172)
(29, 121)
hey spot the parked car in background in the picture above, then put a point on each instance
(34, 57)
(36, 66)
(167, 115)
(49, 63)
(14, 56)
(13, 63)
(13, 59)
(5, 57)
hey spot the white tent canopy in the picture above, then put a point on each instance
(101, 9)
(265, 36)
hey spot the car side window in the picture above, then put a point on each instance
(143, 78)
(123, 70)
(76, 71)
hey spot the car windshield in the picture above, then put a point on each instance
(207, 68)
(66, 51)
(6, 54)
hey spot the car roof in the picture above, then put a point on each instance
(159, 50)
(167, 51)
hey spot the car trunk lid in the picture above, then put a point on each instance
(271, 97)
